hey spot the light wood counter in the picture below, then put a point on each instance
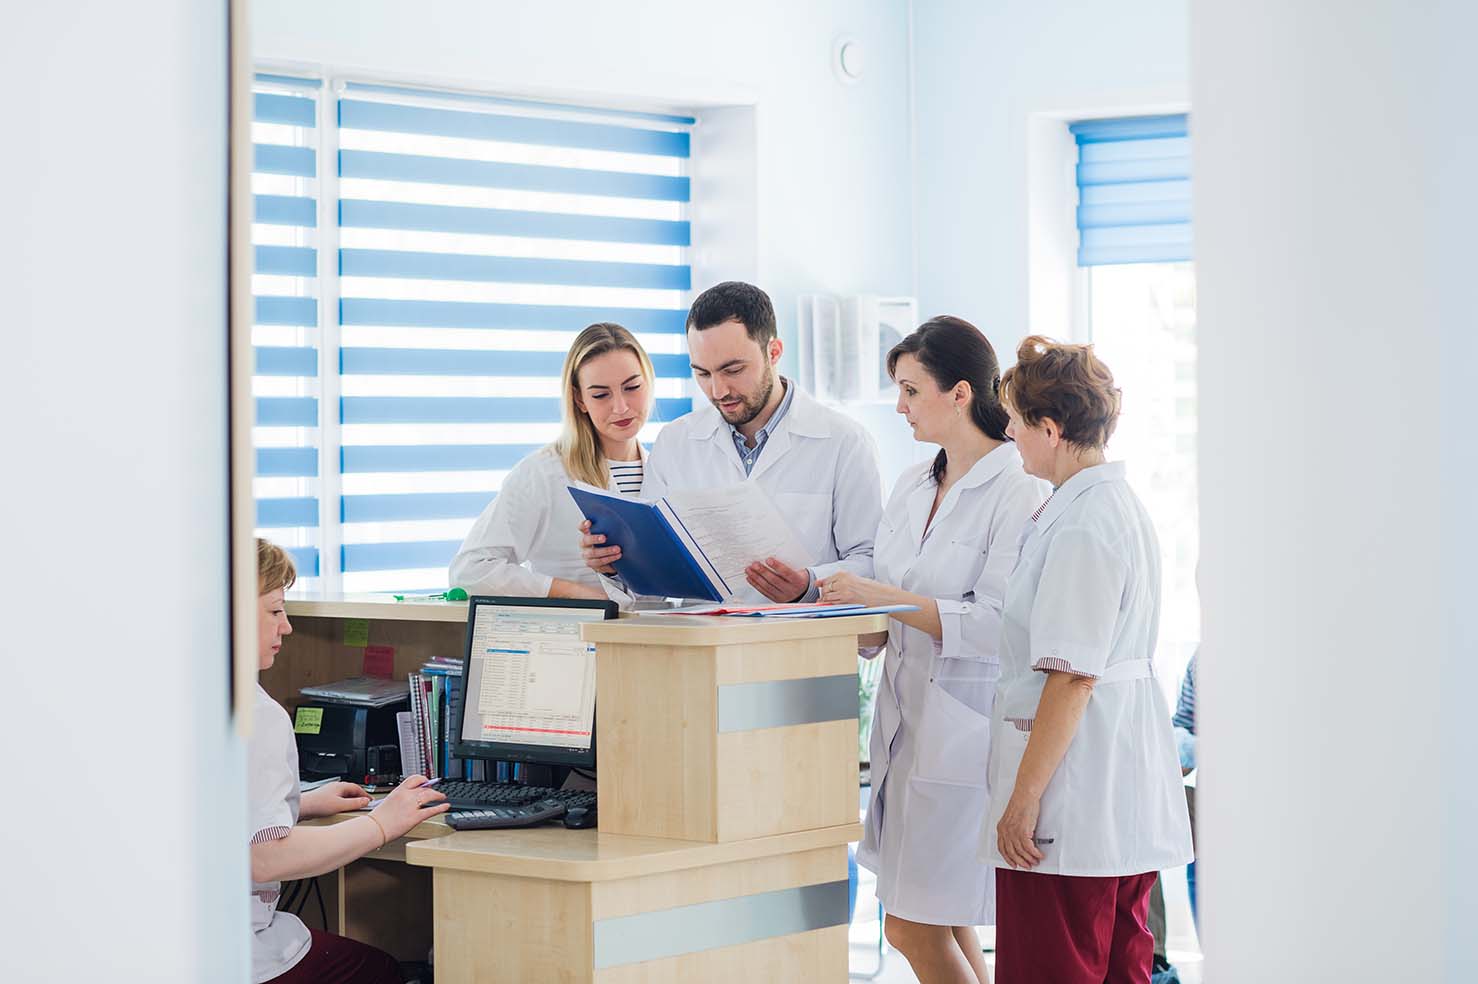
(380, 606)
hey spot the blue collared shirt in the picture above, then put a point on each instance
(749, 455)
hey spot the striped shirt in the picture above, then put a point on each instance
(626, 476)
(1184, 720)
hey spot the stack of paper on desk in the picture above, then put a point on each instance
(794, 610)
(693, 544)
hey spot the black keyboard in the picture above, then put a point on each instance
(499, 817)
(465, 795)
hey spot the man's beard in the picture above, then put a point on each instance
(750, 407)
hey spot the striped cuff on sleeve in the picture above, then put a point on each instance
(267, 834)
(1051, 664)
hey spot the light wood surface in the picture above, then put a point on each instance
(711, 630)
(807, 776)
(498, 928)
(669, 889)
(593, 856)
(801, 958)
(656, 722)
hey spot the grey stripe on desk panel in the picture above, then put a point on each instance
(726, 922)
(780, 703)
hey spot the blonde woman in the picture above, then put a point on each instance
(283, 950)
(526, 542)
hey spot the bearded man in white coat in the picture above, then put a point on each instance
(818, 465)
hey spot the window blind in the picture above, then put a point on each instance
(285, 332)
(1134, 190)
(477, 237)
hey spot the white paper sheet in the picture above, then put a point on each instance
(736, 526)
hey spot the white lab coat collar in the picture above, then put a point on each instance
(921, 499)
(801, 419)
(1110, 471)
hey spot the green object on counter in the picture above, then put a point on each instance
(453, 594)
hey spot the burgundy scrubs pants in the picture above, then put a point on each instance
(1065, 929)
(340, 960)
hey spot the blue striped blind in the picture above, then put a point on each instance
(476, 238)
(1134, 190)
(285, 332)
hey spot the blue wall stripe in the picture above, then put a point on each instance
(359, 557)
(463, 362)
(286, 361)
(305, 559)
(503, 269)
(357, 459)
(287, 462)
(287, 261)
(287, 411)
(361, 214)
(411, 506)
(287, 512)
(284, 210)
(468, 409)
(629, 114)
(521, 177)
(359, 115)
(528, 317)
(300, 311)
(277, 159)
(270, 107)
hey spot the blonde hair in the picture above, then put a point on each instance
(274, 568)
(578, 445)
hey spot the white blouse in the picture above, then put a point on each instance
(530, 533)
(279, 939)
(1085, 599)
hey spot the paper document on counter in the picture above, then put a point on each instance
(693, 544)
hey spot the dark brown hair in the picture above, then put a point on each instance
(950, 350)
(1067, 384)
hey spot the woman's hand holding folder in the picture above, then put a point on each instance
(597, 557)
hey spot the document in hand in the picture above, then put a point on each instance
(693, 544)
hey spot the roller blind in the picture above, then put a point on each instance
(285, 334)
(476, 238)
(1134, 190)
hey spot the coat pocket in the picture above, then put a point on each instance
(953, 741)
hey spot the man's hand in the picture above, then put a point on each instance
(597, 557)
(777, 580)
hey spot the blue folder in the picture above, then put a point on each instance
(655, 559)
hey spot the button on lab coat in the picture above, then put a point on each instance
(527, 536)
(1085, 598)
(931, 729)
(819, 466)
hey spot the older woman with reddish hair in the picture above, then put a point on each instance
(1085, 785)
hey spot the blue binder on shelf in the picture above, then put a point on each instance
(660, 558)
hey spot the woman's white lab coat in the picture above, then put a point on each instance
(1085, 599)
(527, 536)
(931, 729)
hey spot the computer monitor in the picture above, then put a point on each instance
(529, 681)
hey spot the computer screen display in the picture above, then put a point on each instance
(530, 681)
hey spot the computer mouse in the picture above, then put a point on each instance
(580, 817)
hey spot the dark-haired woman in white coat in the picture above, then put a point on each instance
(947, 543)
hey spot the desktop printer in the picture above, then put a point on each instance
(358, 743)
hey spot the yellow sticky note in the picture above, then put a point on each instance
(356, 632)
(309, 720)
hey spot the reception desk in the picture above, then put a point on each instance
(727, 783)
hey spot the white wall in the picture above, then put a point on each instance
(1334, 205)
(124, 821)
(985, 72)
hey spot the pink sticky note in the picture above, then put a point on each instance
(379, 661)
